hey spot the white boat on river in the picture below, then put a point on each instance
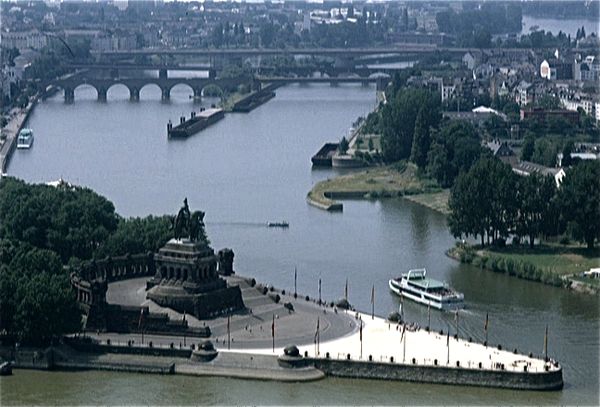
(25, 139)
(416, 286)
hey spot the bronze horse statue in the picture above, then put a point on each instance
(196, 225)
(188, 224)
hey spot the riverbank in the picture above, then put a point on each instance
(383, 182)
(8, 141)
(552, 264)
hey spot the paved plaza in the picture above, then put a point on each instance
(339, 333)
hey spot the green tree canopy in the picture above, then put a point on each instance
(455, 147)
(70, 221)
(399, 116)
(536, 195)
(579, 197)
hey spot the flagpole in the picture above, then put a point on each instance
(429, 316)
(456, 323)
(184, 328)
(405, 336)
(273, 332)
(546, 344)
(487, 329)
(228, 331)
(295, 282)
(360, 322)
(448, 345)
(373, 302)
(319, 291)
(346, 292)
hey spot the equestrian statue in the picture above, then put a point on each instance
(188, 224)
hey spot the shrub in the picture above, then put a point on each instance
(509, 266)
(465, 256)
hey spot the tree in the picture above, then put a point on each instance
(421, 142)
(536, 193)
(567, 160)
(544, 153)
(496, 127)
(343, 146)
(267, 34)
(482, 201)
(579, 200)
(38, 303)
(138, 235)
(217, 35)
(528, 146)
(454, 148)
(398, 120)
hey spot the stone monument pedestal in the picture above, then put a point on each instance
(187, 280)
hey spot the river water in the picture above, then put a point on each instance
(249, 169)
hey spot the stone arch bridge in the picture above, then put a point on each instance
(102, 85)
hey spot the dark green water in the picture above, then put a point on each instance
(250, 169)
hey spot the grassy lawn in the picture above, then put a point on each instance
(437, 200)
(562, 260)
(594, 282)
(381, 182)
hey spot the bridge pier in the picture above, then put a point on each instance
(197, 94)
(102, 95)
(69, 95)
(134, 94)
(166, 93)
(212, 73)
(162, 74)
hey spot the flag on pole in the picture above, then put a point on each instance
(487, 322)
(273, 327)
(360, 322)
(295, 280)
(403, 331)
(346, 292)
(184, 317)
(141, 319)
(546, 343)
(319, 291)
(317, 331)
(455, 317)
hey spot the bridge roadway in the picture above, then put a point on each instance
(237, 52)
(102, 85)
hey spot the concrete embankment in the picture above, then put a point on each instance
(517, 380)
(17, 119)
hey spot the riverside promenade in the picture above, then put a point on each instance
(331, 342)
(8, 142)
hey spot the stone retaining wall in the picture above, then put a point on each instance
(551, 380)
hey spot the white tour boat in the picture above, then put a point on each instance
(25, 139)
(416, 286)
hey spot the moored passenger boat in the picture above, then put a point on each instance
(25, 139)
(416, 286)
